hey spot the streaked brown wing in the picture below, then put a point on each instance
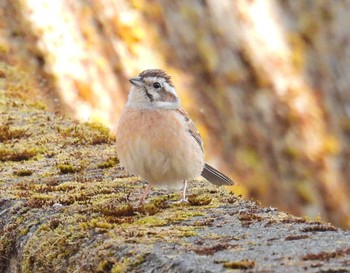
(191, 127)
(210, 173)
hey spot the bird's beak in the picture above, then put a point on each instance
(136, 81)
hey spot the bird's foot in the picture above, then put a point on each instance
(182, 201)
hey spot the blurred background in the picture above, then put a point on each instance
(267, 82)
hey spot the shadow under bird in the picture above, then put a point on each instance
(156, 139)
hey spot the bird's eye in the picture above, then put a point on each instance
(156, 85)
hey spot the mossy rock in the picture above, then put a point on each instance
(67, 206)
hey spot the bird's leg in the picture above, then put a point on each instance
(145, 194)
(184, 199)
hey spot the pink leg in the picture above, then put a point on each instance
(145, 194)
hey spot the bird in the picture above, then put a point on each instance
(157, 140)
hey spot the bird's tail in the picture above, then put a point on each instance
(215, 177)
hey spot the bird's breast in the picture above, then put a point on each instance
(156, 145)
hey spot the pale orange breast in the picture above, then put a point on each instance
(156, 145)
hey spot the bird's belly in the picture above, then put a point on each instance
(158, 148)
(161, 167)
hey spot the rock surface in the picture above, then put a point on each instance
(66, 206)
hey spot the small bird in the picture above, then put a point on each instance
(156, 139)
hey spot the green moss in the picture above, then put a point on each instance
(38, 105)
(244, 264)
(23, 172)
(67, 168)
(37, 202)
(123, 266)
(24, 231)
(109, 163)
(80, 218)
(114, 208)
(148, 209)
(100, 223)
(8, 240)
(104, 266)
(98, 127)
(182, 215)
(87, 133)
(8, 133)
(151, 221)
(199, 200)
(14, 154)
(109, 266)
(188, 232)
(47, 248)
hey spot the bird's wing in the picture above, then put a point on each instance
(191, 127)
(209, 172)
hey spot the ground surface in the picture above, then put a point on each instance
(66, 206)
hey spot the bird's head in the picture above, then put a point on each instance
(153, 89)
